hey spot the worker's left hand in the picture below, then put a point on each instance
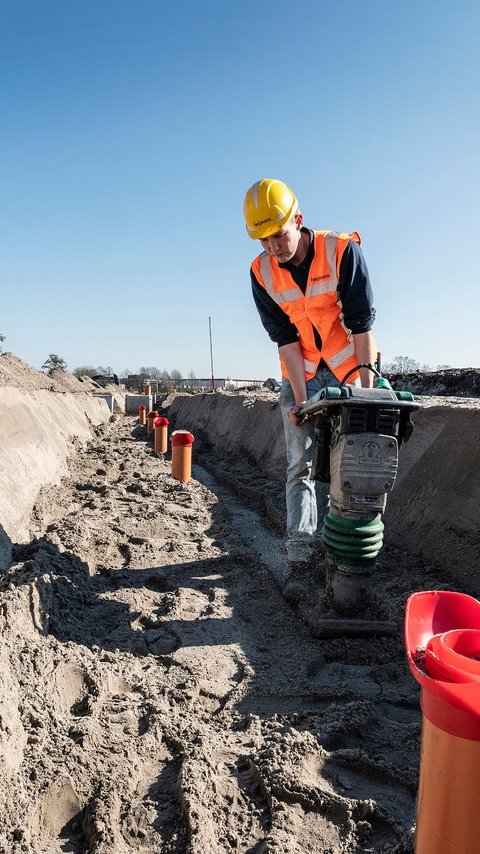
(293, 415)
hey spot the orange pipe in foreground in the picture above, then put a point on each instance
(142, 415)
(442, 639)
(448, 809)
(182, 442)
(150, 419)
(160, 435)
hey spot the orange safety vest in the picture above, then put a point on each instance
(319, 307)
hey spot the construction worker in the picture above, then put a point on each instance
(313, 294)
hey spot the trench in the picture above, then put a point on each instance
(160, 694)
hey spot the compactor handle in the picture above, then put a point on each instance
(370, 367)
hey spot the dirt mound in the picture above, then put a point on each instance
(42, 420)
(14, 372)
(455, 382)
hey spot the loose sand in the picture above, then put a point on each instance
(159, 694)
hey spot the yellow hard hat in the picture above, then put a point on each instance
(268, 206)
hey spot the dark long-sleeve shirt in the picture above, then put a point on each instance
(354, 293)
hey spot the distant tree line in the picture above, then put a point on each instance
(162, 378)
(407, 365)
(90, 371)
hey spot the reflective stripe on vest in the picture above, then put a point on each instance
(342, 356)
(279, 297)
(331, 252)
(318, 288)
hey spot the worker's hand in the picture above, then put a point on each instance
(293, 415)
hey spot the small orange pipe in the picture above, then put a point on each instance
(142, 415)
(148, 389)
(182, 442)
(160, 435)
(150, 419)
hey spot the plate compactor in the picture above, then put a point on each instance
(357, 435)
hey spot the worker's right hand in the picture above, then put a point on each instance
(293, 415)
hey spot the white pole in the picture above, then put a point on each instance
(211, 351)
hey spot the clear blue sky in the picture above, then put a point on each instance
(131, 130)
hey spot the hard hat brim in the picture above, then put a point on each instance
(267, 229)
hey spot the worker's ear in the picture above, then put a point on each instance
(299, 220)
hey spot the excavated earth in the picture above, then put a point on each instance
(160, 694)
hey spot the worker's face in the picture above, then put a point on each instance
(284, 245)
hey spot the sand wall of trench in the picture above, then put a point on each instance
(38, 431)
(434, 510)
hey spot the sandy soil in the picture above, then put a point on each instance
(159, 694)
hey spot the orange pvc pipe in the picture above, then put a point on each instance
(150, 419)
(142, 415)
(182, 463)
(148, 389)
(182, 442)
(442, 639)
(448, 810)
(160, 435)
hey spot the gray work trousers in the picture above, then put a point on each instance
(307, 501)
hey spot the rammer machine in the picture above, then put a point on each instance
(357, 436)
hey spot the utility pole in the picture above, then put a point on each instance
(211, 351)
